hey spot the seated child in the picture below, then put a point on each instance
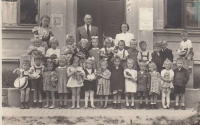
(181, 78)
(144, 55)
(156, 57)
(165, 53)
(24, 72)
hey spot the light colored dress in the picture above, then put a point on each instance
(104, 84)
(62, 79)
(155, 82)
(167, 74)
(75, 81)
(130, 86)
(51, 51)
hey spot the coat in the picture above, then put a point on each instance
(181, 77)
(143, 81)
(157, 60)
(167, 53)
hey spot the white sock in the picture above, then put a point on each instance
(40, 100)
(35, 100)
(132, 104)
(182, 104)
(92, 98)
(176, 104)
(127, 104)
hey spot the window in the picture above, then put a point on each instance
(20, 12)
(182, 14)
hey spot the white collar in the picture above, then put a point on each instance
(38, 66)
(90, 27)
(95, 48)
(62, 67)
(120, 50)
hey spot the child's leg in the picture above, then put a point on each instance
(146, 100)
(73, 97)
(151, 98)
(78, 97)
(47, 99)
(168, 98)
(115, 98)
(163, 99)
(27, 94)
(40, 95)
(60, 98)
(101, 99)
(126, 97)
(65, 98)
(141, 99)
(132, 99)
(53, 98)
(119, 96)
(92, 97)
(155, 98)
(176, 99)
(106, 100)
(35, 95)
(86, 98)
(22, 95)
(182, 99)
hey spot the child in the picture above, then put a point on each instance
(117, 81)
(82, 52)
(167, 76)
(95, 51)
(89, 82)
(186, 49)
(133, 52)
(53, 53)
(69, 48)
(44, 31)
(50, 79)
(36, 49)
(156, 57)
(143, 84)
(107, 51)
(181, 78)
(166, 53)
(75, 82)
(155, 85)
(103, 88)
(144, 54)
(130, 75)
(37, 80)
(24, 72)
(62, 81)
(122, 53)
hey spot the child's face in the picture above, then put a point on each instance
(62, 63)
(37, 43)
(167, 66)
(103, 66)
(53, 45)
(156, 49)
(108, 43)
(88, 65)
(75, 63)
(142, 67)
(26, 67)
(124, 28)
(179, 63)
(116, 62)
(45, 22)
(184, 36)
(121, 45)
(69, 41)
(164, 45)
(83, 44)
(50, 67)
(38, 62)
(133, 44)
(130, 64)
(143, 47)
(151, 68)
(94, 43)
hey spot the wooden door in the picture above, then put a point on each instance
(107, 15)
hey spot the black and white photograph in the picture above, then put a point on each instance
(100, 62)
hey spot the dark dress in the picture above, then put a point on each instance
(117, 80)
(157, 59)
(89, 85)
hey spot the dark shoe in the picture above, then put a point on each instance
(60, 106)
(34, 104)
(105, 107)
(119, 106)
(156, 106)
(147, 107)
(40, 105)
(114, 105)
(175, 107)
(152, 106)
(65, 106)
(26, 105)
(140, 106)
(133, 107)
(22, 105)
(168, 107)
(183, 107)
(127, 107)
(102, 106)
(144, 106)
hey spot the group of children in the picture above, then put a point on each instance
(111, 70)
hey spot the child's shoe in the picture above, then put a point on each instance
(156, 106)
(175, 107)
(60, 106)
(152, 106)
(168, 107)
(147, 107)
(22, 105)
(46, 106)
(119, 106)
(40, 105)
(34, 104)
(65, 106)
(133, 107)
(127, 106)
(26, 105)
(183, 107)
(114, 105)
(140, 106)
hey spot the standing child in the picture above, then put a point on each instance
(186, 49)
(36, 49)
(181, 78)
(155, 85)
(133, 52)
(50, 79)
(166, 53)
(143, 84)
(156, 57)
(103, 88)
(62, 81)
(144, 55)
(37, 81)
(89, 82)
(167, 76)
(117, 82)
(95, 51)
(24, 72)
(130, 75)
(44, 31)
(75, 82)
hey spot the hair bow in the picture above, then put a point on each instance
(69, 36)
(91, 58)
(52, 38)
(84, 40)
(94, 37)
(38, 36)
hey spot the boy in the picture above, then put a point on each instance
(133, 52)
(143, 84)
(181, 77)
(37, 80)
(156, 57)
(165, 52)
(186, 49)
(144, 55)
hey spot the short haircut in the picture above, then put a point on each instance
(142, 42)
(62, 57)
(53, 39)
(122, 41)
(126, 25)
(33, 40)
(179, 59)
(116, 58)
(86, 15)
(73, 58)
(157, 45)
(142, 63)
(184, 32)
(152, 64)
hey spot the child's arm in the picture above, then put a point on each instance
(127, 76)
(30, 49)
(17, 70)
(188, 51)
(102, 54)
(70, 73)
(107, 76)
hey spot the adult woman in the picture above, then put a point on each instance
(125, 35)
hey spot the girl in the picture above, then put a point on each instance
(44, 31)
(167, 76)
(155, 85)
(95, 51)
(89, 82)
(53, 53)
(75, 82)
(62, 81)
(50, 79)
(130, 82)
(117, 82)
(36, 49)
(103, 88)
(82, 52)
(122, 53)
(107, 51)
(24, 72)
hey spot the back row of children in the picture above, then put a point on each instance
(74, 67)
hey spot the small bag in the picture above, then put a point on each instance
(21, 82)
